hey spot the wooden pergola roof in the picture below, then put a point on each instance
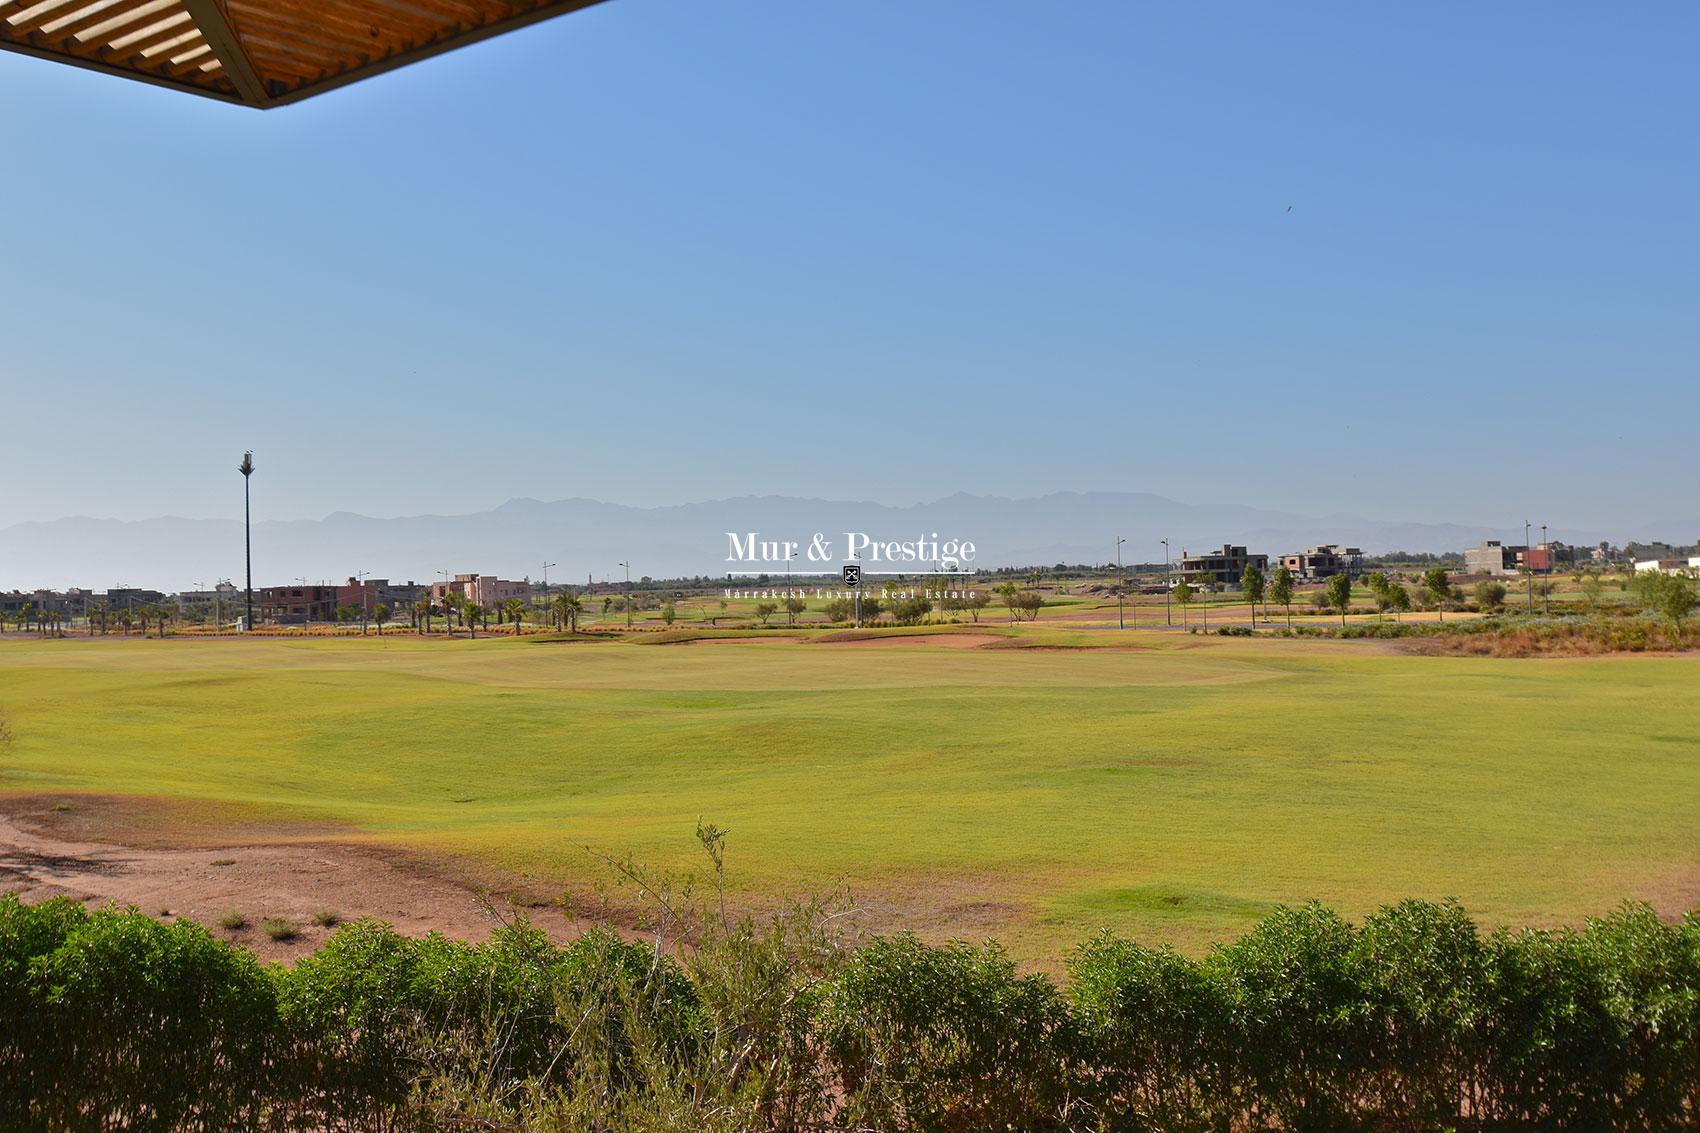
(258, 52)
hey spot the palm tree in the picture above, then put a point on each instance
(515, 609)
(469, 613)
(380, 615)
(422, 613)
(570, 606)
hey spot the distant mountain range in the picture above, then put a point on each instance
(588, 538)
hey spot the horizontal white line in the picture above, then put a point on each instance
(840, 574)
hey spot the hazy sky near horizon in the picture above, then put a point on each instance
(664, 251)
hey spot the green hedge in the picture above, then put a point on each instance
(1411, 1020)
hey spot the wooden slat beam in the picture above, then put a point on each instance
(41, 15)
(209, 17)
(108, 20)
(55, 56)
(260, 53)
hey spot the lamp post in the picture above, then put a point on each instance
(628, 567)
(1121, 584)
(247, 470)
(858, 591)
(546, 567)
(1168, 588)
(1528, 570)
(448, 616)
(360, 577)
(790, 618)
(1546, 586)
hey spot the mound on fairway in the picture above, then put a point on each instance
(1175, 791)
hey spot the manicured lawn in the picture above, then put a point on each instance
(1174, 791)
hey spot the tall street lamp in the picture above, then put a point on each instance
(790, 619)
(628, 567)
(247, 470)
(546, 567)
(1121, 584)
(1528, 569)
(1546, 587)
(448, 616)
(1168, 587)
(360, 577)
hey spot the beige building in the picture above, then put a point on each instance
(487, 590)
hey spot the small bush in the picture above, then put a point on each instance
(929, 1038)
(233, 920)
(325, 918)
(278, 929)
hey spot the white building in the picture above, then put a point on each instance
(1667, 566)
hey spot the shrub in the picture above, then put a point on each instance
(351, 1022)
(944, 1038)
(27, 932)
(233, 920)
(1155, 1038)
(1421, 970)
(1293, 1009)
(1554, 1047)
(159, 1022)
(278, 929)
(1596, 1029)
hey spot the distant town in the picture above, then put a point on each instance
(495, 600)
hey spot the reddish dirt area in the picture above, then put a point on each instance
(941, 640)
(56, 846)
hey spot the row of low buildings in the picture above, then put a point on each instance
(1226, 566)
(75, 602)
(310, 602)
(1493, 557)
(295, 604)
(1672, 565)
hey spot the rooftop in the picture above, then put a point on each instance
(258, 52)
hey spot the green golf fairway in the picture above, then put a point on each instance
(1174, 791)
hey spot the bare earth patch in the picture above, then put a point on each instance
(942, 640)
(47, 852)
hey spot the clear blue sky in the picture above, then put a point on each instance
(668, 250)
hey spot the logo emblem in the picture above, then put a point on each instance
(852, 574)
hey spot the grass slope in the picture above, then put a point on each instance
(1175, 791)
